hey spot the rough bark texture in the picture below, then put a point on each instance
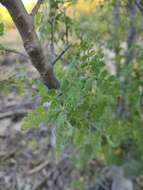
(25, 26)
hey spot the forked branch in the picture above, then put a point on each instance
(25, 26)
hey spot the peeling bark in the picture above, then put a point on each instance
(25, 26)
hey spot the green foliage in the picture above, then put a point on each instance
(1, 29)
(84, 110)
(54, 25)
(91, 111)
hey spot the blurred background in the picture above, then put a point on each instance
(99, 108)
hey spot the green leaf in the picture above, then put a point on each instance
(1, 29)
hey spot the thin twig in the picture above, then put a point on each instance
(36, 8)
(39, 167)
(13, 51)
(61, 54)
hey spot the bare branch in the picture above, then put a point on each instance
(36, 8)
(39, 167)
(14, 51)
(140, 7)
(61, 54)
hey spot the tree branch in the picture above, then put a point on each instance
(139, 6)
(24, 24)
(14, 51)
(61, 54)
(36, 8)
